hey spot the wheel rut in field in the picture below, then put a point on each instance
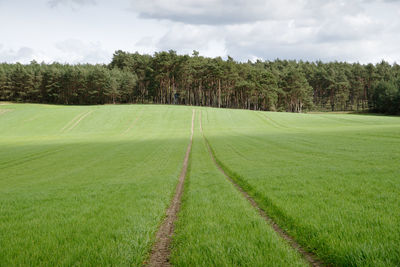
(308, 256)
(160, 252)
(4, 111)
(132, 124)
(75, 121)
(79, 120)
(272, 122)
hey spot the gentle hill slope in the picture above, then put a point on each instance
(89, 185)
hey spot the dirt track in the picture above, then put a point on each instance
(160, 252)
(309, 257)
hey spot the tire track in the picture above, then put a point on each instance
(308, 256)
(80, 119)
(28, 158)
(32, 118)
(132, 124)
(72, 121)
(4, 111)
(271, 121)
(160, 252)
(75, 121)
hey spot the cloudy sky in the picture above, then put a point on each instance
(80, 31)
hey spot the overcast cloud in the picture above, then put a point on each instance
(80, 31)
(70, 3)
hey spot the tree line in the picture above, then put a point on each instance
(169, 78)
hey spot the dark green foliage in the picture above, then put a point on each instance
(169, 78)
(387, 97)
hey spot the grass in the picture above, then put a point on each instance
(218, 227)
(89, 185)
(332, 181)
(87, 196)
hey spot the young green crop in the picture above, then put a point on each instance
(333, 181)
(89, 185)
(91, 194)
(218, 227)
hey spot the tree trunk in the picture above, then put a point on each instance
(219, 93)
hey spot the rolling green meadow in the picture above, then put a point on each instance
(332, 181)
(89, 186)
(90, 195)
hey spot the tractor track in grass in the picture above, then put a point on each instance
(272, 122)
(308, 256)
(132, 124)
(79, 120)
(75, 121)
(28, 158)
(160, 252)
(71, 121)
(4, 111)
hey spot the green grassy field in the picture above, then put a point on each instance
(89, 185)
(332, 181)
(218, 227)
(91, 195)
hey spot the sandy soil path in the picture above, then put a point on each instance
(160, 252)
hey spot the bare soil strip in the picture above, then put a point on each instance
(132, 124)
(160, 252)
(308, 256)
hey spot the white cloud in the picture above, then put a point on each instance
(352, 30)
(328, 30)
(70, 3)
(22, 54)
(216, 12)
(186, 38)
(77, 51)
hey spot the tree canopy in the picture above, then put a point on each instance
(169, 78)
